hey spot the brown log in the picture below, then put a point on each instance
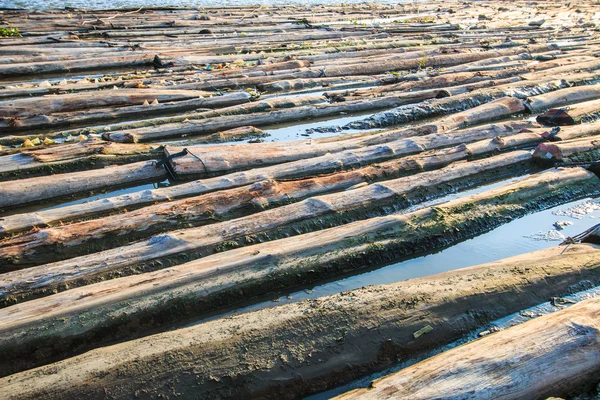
(552, 355)
(293, 350)
(325, 164)
(316, 212)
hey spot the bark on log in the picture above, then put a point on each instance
(25, 191)
(552, 355)
(272, 353)
(430, 227)
(325, 164)
(61, 242)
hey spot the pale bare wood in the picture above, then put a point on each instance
(548, 356)
(368, 328)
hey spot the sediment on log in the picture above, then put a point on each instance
(25, 191)
(68, 241)
(399, 235)
(553, 355)
(388, 144)
(346, 335)
(296, 169)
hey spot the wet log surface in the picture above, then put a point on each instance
(273, 353)
(488, 367)
(161, 164)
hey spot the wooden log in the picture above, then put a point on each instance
(562, 97)
(217, 123)
(197, 242)
(467, 101)
(130, 201)
(144, 110)
(68, 241)
(346, 335)
(552, 355)
(577, 113)
(142, 59)
(215, 161)
(77, 101)
(577, 150)
(90, 153)
(25, 191)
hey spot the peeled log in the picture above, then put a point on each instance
(226, 158)
(24, 191)
(68, 241)
(345, 335)
(421, 230)
(574, 114)
(552, 355)
(562, 97)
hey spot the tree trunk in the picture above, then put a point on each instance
(289, 351)
(549, 356)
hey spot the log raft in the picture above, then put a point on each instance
(272, 353)
(385, 106)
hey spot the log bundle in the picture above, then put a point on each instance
(161, 165)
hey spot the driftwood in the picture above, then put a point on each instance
(552, 355)
(264, 353)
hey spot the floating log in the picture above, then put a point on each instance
(552, 355)
(284, 171)
(386, 145)
(25, 191)
(217, 123)
(272, 353)
(539, 191)
(68, 241)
